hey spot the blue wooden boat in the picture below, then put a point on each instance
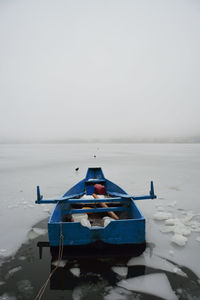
(127, 230)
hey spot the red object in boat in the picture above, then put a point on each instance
(99, 189)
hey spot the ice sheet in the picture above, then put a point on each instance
(35, 232)
(154, 284)
(23, 167)
(156, 262)
(122, 271)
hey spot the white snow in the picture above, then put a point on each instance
(122, 271)
(154, 284)
(75, 271)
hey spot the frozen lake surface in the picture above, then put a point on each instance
(172, 227)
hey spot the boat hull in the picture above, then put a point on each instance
(125, 233)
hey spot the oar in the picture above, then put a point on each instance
(111, 213)
(40, 199)
(143, 197)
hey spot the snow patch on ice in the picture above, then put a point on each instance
(154, 284)
(122, 271)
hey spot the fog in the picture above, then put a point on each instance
(99, 69)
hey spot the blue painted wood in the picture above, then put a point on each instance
(95, 210)
(96, 201)
(150, 196)
(118, 232)
(54, 201)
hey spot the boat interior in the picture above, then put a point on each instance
(100, 202)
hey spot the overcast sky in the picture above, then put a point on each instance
(99, 68)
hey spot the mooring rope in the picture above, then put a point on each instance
(60, 254)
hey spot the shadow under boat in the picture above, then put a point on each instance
(93, 250)
(94, 262)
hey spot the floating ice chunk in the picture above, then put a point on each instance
(13, 271)
(155, 262)
(171, 221)
(47, 210)
(122, 271)
(2, 283)
(35, 232)
(25, 287)
(13, 206)
(167, 229)
(154, 284)
(75, 271)
(31, 206)
(179, 240)
(22, 258)
(179, 291)
(198, 239)
(2, 251)
(162, 216)
(118, 293)
(172, 204)
(179, 272)
(160, 208)
(7, 297)
(178, 228)
(188, 217)
(85, 290)
(171, 252)
(61, 263)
